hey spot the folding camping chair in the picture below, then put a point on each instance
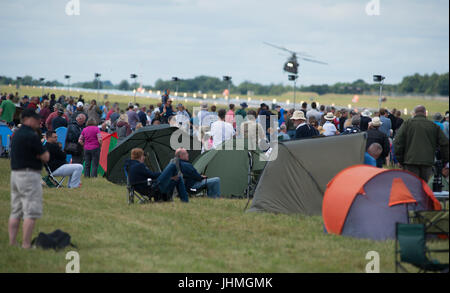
(192, 192)
(131, 192)
(51, 180)
(410, 247)
(436, 222)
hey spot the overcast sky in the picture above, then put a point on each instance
(187, 38)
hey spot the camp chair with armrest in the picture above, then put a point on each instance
(131, 192)
(436, 222)
(51, 180)
(192, 192)
(410, 247)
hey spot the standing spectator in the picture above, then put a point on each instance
(27, 156)
(91, 140)
(142, 116)
(165, 97)
(133, 117)
(252, 131)
(58, 164)
(44, 113)
(149, 116)
(73, 134)
(166, 111)
(52, 102)
(446, 125)
(114, 116)
(122, 127)
(281, 115)
(386, 125)
(94, 112)
(53, 115)
(329, 129)
(59, 121)
(313, 112)
(437, 117)
(7, 110)
(111, 111)
(264, 117)
(392, 115)
(70, 108)
(342, 119)
(241, 111)
(33, 103)
(229, 117)
(302, 130)
(105, 110)
(290, 124)
(365, 120)
(304, 108)
(221, 131)
(375, 135)
(416, 144)
(25, 102)
(398, 121)
(78, 110)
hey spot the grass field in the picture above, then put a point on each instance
(365, 101)
(204, 235)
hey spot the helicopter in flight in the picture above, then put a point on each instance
(292, 65)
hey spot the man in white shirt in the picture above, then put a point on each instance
(220, 130)
(329, 127)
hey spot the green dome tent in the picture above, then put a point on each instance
(296, 180)
(156, 142)
(232, 167)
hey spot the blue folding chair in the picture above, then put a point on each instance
(5, 135)
(62, 134)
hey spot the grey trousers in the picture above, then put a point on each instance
(422, 171)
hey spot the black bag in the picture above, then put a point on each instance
(72, 148)
(55, 240)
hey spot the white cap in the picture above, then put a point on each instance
(79, 104)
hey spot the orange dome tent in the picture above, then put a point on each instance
(365, 202)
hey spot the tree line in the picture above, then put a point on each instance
(434, 84)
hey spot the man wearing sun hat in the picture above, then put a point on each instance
(329, 127)
(365, 119)
(302, 130)
(375, 135)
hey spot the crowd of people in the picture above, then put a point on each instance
(414, 145)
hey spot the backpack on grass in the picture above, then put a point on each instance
(55, 240)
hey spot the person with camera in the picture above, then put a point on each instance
(416, 143)
(72, 146)
(27, 156)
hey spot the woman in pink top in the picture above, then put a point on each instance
(230, 116)
(91, 140)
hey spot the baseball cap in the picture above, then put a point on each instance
(79, 104)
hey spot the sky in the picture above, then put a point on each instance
(187, 38)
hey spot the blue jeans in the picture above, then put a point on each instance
(167, 185)
(213, 186)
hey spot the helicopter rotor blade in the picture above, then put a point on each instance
(278, 47)
(314, 61)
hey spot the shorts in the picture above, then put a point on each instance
(26, 194)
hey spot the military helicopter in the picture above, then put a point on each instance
(291, 65)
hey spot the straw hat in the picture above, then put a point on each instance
(329, 116)
(123, 117)
(298, 115)
(376, 121)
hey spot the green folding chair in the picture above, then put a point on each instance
(436, 222)
(410, 247)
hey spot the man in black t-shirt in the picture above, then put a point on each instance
(59, 121)
(58, 164)
(27, 156)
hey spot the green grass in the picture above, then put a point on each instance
(365, 101)
(204, 235)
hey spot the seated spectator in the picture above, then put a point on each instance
(372, 154)
(138, 173)
(193, 179)
(59, 121)
(302, 130)
(282, 134)
(355, 126)
(58, 164)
